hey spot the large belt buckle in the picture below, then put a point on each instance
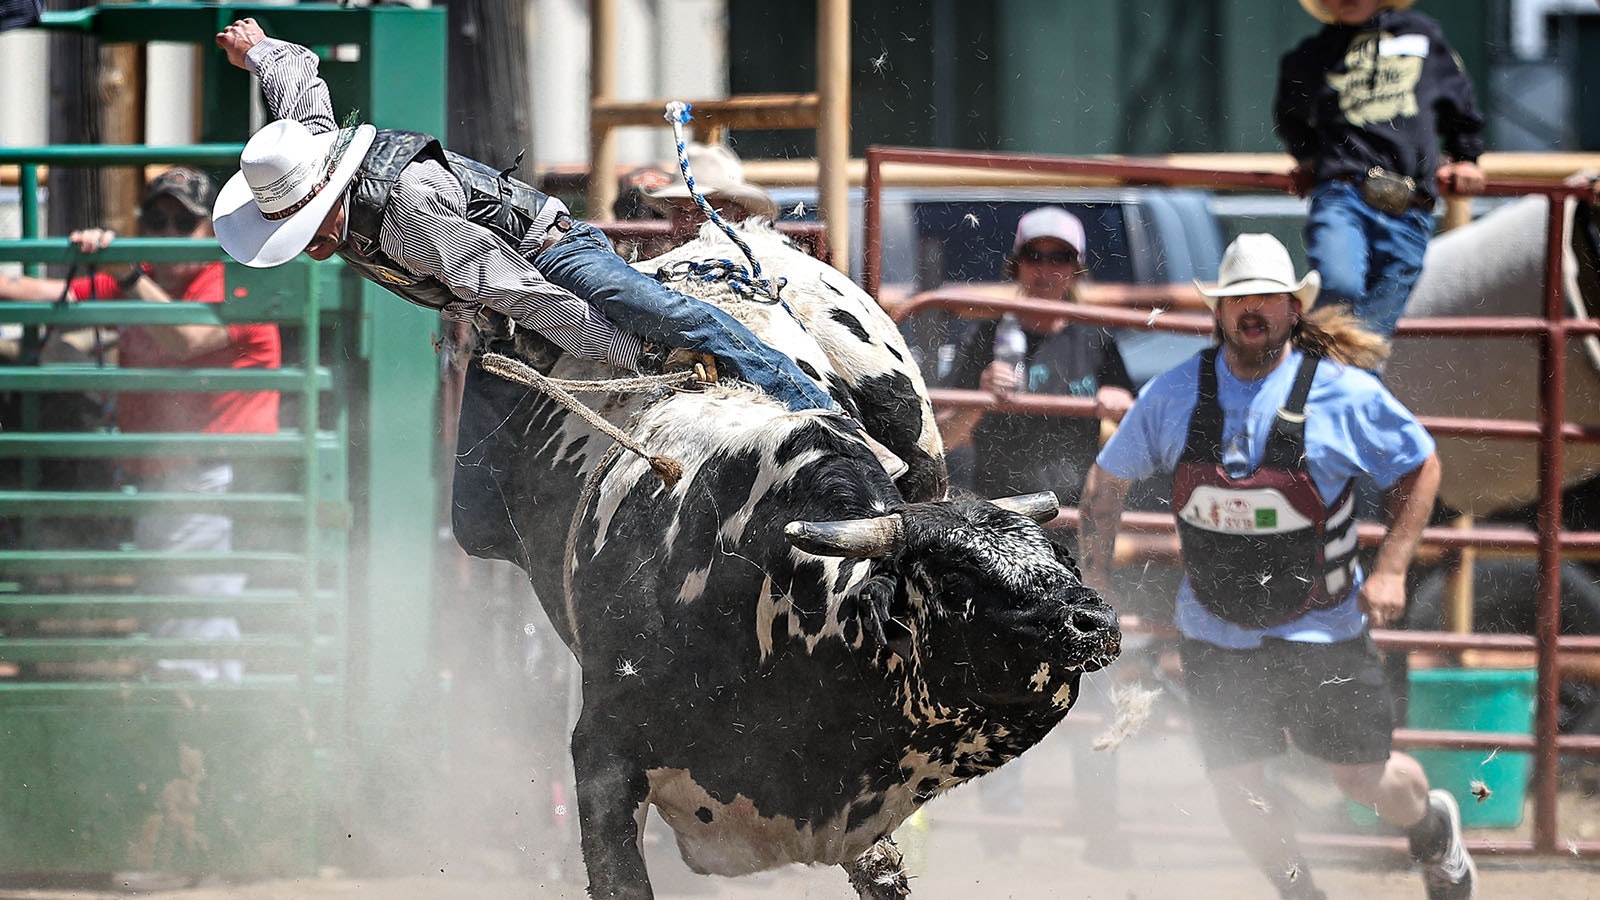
(1387, 192)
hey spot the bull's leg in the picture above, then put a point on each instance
(879, 873)
(611, 794)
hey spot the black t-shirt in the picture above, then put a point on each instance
(1384, 93)
(1018, 454)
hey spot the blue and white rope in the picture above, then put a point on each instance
(749, 285)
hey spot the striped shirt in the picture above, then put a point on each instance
(426, 231)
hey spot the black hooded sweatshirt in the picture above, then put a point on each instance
(1384, 93)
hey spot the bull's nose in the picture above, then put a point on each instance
(1092, 618)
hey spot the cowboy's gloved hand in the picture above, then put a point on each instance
(237, 39)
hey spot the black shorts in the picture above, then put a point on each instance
(1333, 700)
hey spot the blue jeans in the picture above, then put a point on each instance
(1367, 259)
(584, 263)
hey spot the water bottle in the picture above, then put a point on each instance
(1011, 349)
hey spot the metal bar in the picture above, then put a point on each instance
(75, 378)
(116, 503)
(67, 649)
(310, 416)
(1464, 740)
(775, 111)
(86, 562)
(125, 250)
(125, 312)
(976, 300)
(602, 193)
(122, 155)
(1437, 537)
(1552, 414)
(872, 225)
(101, 606)
(833, 125)
(125, 694)
(283, 445)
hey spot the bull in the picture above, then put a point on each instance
(784, 652)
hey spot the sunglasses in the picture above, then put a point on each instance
(156, 220)
(1056, 257)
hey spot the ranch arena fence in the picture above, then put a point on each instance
(1152, 536)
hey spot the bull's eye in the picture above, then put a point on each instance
(955, 585)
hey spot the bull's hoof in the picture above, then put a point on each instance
(880, 873)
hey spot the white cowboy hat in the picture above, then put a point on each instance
(287, 181)
(718, 174)
(1259, 264)
(1315, 8)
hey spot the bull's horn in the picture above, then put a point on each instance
(1040, 507)
(855, 538)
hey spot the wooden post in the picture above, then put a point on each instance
(1459, 610)
(833, 127)
(602, 87)
(1457, 211)
(122, 122)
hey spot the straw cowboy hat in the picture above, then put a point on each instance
(1320, 12)
(287, 181)
(718, 175)
(1259, 264)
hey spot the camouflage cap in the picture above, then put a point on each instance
(191, 187)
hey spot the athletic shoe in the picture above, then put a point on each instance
(1453, 875)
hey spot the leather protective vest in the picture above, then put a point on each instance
(495, 201)
(1263, 549)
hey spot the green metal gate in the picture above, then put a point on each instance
(104, 764)
(107, 763)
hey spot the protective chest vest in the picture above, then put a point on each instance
(1263, 549)
(495, 201)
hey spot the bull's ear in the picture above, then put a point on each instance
(1040, 507)
(856, 538)
(883, 623)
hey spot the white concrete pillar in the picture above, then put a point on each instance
(667, 49)
(25, 88)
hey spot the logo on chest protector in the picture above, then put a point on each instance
(1250, 511)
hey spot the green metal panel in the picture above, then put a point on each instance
(1254, 35)
(406, 88)
(108, 767)
(1058, 64)
(153, 781)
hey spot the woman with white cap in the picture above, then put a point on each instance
(452, 234)
(1265, 437)
(1014, 452)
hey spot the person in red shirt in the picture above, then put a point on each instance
(177, 204)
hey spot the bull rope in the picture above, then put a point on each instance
(560, 390)
(749, 286)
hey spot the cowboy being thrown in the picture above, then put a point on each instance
(452, 234)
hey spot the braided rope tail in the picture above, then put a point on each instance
(665, 468)
(678, 115)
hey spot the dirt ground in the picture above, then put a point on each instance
(1176, 845)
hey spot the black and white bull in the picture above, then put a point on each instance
(781, 652)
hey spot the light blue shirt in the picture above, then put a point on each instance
(1354, 429)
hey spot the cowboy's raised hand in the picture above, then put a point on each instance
(237, 39)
